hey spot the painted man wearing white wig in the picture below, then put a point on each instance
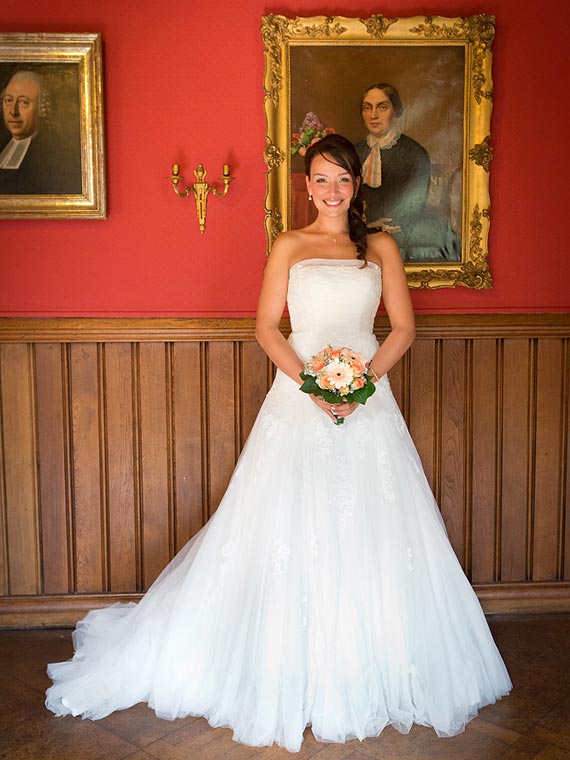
(35, 157)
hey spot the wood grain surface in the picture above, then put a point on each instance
(118, 439)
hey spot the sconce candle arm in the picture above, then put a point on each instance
(226, 179)
(175, 181)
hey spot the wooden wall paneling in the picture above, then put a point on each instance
(4, 546)
(565, 506)
(122, 504)
(222, 396)
(453, 434)
(189, 437)
(126, 449)
(89, 530)
(20, 483)
(157, 526)
(397, 384)
(547, 486)
(53, 467)
(485, 399)
(252, 383)
(516, 435)
(422, 403)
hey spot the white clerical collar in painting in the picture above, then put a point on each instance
(14, 153)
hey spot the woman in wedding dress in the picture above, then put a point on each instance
(324, 590)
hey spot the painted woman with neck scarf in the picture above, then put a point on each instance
(396, 177)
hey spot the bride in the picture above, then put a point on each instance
(324, 590)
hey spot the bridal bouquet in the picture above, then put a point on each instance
(338, 375)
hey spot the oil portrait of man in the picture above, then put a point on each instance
(40, 150)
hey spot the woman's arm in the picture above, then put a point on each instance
(272, 301)
(383, 250)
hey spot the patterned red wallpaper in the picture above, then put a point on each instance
(183, 82)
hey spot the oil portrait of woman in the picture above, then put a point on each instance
(402, 107)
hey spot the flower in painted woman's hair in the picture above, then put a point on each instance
(311, 131)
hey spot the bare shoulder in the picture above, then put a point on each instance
(282, 251)
(287, 242)
(288, 248)
(383, 250)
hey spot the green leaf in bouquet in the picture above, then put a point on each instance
(309, 383)
(362, 394)
(329, 396)
(311, 386)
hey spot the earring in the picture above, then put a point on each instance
(310, 197)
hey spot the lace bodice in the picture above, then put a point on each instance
(333, 302)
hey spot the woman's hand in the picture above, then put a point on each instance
(334, 411)
(384, 224)
(387, 227)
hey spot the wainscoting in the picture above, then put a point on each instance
(119, 437)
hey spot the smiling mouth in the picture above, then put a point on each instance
(332, 203)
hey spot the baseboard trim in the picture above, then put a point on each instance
(63, 611)
(536, 596)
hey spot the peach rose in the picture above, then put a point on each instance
(325, 382)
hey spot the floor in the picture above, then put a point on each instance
(533, 722)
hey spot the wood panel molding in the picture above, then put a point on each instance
(118, 438)
(141, 329)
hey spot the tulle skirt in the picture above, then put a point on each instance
(323, 592)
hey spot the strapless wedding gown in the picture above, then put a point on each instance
(322, 592)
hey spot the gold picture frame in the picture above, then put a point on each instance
(62, 172)
(443, 65)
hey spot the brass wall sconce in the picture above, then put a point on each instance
(200, 188)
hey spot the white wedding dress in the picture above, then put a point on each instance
(323, 591)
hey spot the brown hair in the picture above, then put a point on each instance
(391, 92)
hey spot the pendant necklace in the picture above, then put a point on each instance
(334, 238)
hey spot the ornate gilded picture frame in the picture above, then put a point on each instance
(52, 162)
(432, 188)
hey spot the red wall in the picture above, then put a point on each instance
(183, 82)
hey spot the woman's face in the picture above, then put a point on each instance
(378, 112)
(331, 186)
